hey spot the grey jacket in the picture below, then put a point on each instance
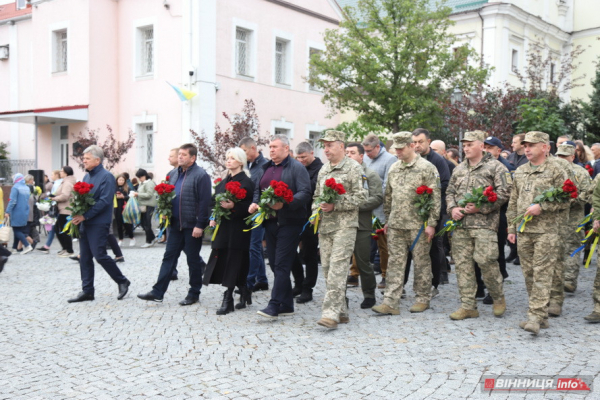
(381, 164)
(146, 194)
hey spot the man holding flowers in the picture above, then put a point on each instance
(538, 237)
(407, 228)
(94, 226)
(337, 197)
(478, 188)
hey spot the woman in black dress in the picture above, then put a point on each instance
(229, 260)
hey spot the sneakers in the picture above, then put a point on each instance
(269, 312)
(418, 307)
(381, 284)
(352, 281)
(327, 323)
(146, 245)
(593, 317)
(27, 249)
(461, 314)
(284, 313)
(385, 309)
(544, 324)
(499, 307)
(120, 243)
(554, 310)
(132, 243)
(44, 250)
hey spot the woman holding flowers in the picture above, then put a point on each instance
(147, 198)
(229, 260)
(62, 197)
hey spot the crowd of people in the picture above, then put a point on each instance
(380, 224)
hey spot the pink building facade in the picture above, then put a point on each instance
(68, 65)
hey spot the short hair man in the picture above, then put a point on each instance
(539, 240)
(338, 225)
(257, 277)
(360, 261)
(303, 285)
(95, 225)
(440, 147)
(190, 218)
(453, 155)
(517, 157)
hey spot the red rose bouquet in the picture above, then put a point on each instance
(331, 194)
(560, 195)
(164, 207)
(277, 192)
(478, 196)
(216, 182)
(424, 204)
(589, 169)
(81, 201)
(233, 192)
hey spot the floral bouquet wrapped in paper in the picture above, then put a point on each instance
(478, 196)
(331, 193)
(79, 204)
(277, 192)
(234, 193)
(164, 207)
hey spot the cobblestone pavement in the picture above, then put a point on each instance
(108, 349)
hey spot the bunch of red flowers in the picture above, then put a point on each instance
(163, 188)
(589, 169)
(280, 189)
(424, 189)
(570, 188)
(331, 192)
(277, 192)
(490, 194)
(233, 192)
(79, 204)
(235, 188)
(338, 187)
(164, 207)
(375, 236)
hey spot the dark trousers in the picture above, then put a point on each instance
(282, 243)
(4, 252)
(257, 273)
(92, 244)
(114, 245)
(147, 224)
(310, 255)
(437, 254)
(180, 240)
(121, 225)
(65, 240)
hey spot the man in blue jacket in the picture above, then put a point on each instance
(283, 231)
(94, 227)
(190, 218)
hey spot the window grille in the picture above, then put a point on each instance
(147, 51)
(242, 51)
(149, 133)
(61, 51)
(280, 54)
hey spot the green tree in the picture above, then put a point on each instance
(390, 61)
(4, 150)
(541, 115)
(357, 130)
(591, 110)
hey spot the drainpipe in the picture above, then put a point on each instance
(481, 18)
(36, 142)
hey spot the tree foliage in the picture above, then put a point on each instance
(356, 130)
(114, 150)
(540, 115)
(4, 150)
(241, 126)
(591, 109)
(391, 61)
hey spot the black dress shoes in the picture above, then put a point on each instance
(368, 302)
(150, 297)
(123, 289)
(3, 261)
(260, 286)
(189, 300)
(297, 291)
(305, 297)
(82, 296)
(174, 277)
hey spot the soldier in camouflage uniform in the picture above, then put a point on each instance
(594, 317)
(338, 226)
(539, 243)
(570, 239)
(403, 225)
(475, 241)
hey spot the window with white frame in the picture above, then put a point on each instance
(281, 62)
(514, 66)
(60, 54)
(145, 50)
(64, 145)
(147, 139)
(282, 131)
(552, 72)
(242, 51)
(313, 52)
(21, 4)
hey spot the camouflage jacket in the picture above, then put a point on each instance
(595, 197)
(583, 181)
(530, 182)
(488, 172)
(400, 193)
(345, 214)
(372, 184)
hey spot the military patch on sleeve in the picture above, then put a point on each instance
(507, 178)
(364, 177)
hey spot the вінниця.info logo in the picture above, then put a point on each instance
(521, 383)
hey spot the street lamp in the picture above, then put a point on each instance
(456, 97)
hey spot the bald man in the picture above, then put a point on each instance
(440, 147)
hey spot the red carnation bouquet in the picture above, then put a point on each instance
(277, 192)
(561, 195)
(478, 196)
(589, 169)
(81, 201)
(164, 207)
(233, 192)
(331, 194)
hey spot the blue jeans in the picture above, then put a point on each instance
(178, 241)
(20, 233)
(92, 244)
(257, 273)
(50, 238)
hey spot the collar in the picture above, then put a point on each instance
(281, 164)
(96, 169)
(410, 164)
(540, 168)
(486, 157)
(338, 166)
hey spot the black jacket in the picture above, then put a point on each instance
(298, 180)
(443, 172)
(256, 167)
(231, 231)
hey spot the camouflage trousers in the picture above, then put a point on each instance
(539, 253)
(399, 242)
(573, 241)
(479, 246)
(336, 250)
(557, 292)
(596, 292)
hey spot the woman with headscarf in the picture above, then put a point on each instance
(18, 212)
